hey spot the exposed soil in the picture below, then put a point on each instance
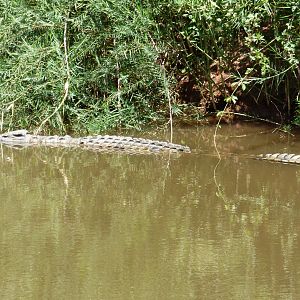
(209, 95)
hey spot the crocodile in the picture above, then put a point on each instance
(112, 143)
(280, 157)
(106, 143)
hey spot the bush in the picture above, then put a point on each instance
(225, 49)
(94, 64)
(107, 76)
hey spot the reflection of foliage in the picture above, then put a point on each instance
(129, 223)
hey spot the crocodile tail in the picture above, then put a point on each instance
(281, 157)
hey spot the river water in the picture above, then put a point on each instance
(77, 224)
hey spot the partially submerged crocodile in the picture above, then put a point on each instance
(281, 157)
(114, 143)
(98, 142)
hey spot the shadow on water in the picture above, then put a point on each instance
(86, 225)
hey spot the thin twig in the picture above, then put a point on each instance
(67, 82)
(170, 109)
(167, 89)
(216, 130)
(216, 148)
(252, 117)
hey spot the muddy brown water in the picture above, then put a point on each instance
(84, 225)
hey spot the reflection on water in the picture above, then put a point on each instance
(82, 225)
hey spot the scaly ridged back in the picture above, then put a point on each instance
(281, 157)
(99, 142)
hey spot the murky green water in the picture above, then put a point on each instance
(82, 225)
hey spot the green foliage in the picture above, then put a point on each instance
(256, 42)
(96, 64)
(113, 78)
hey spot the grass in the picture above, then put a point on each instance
(92, 65)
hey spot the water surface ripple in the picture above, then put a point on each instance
(84, 225)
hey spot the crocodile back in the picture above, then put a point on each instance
(281, 157)
(98, 142)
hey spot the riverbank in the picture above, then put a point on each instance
(97, 65)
